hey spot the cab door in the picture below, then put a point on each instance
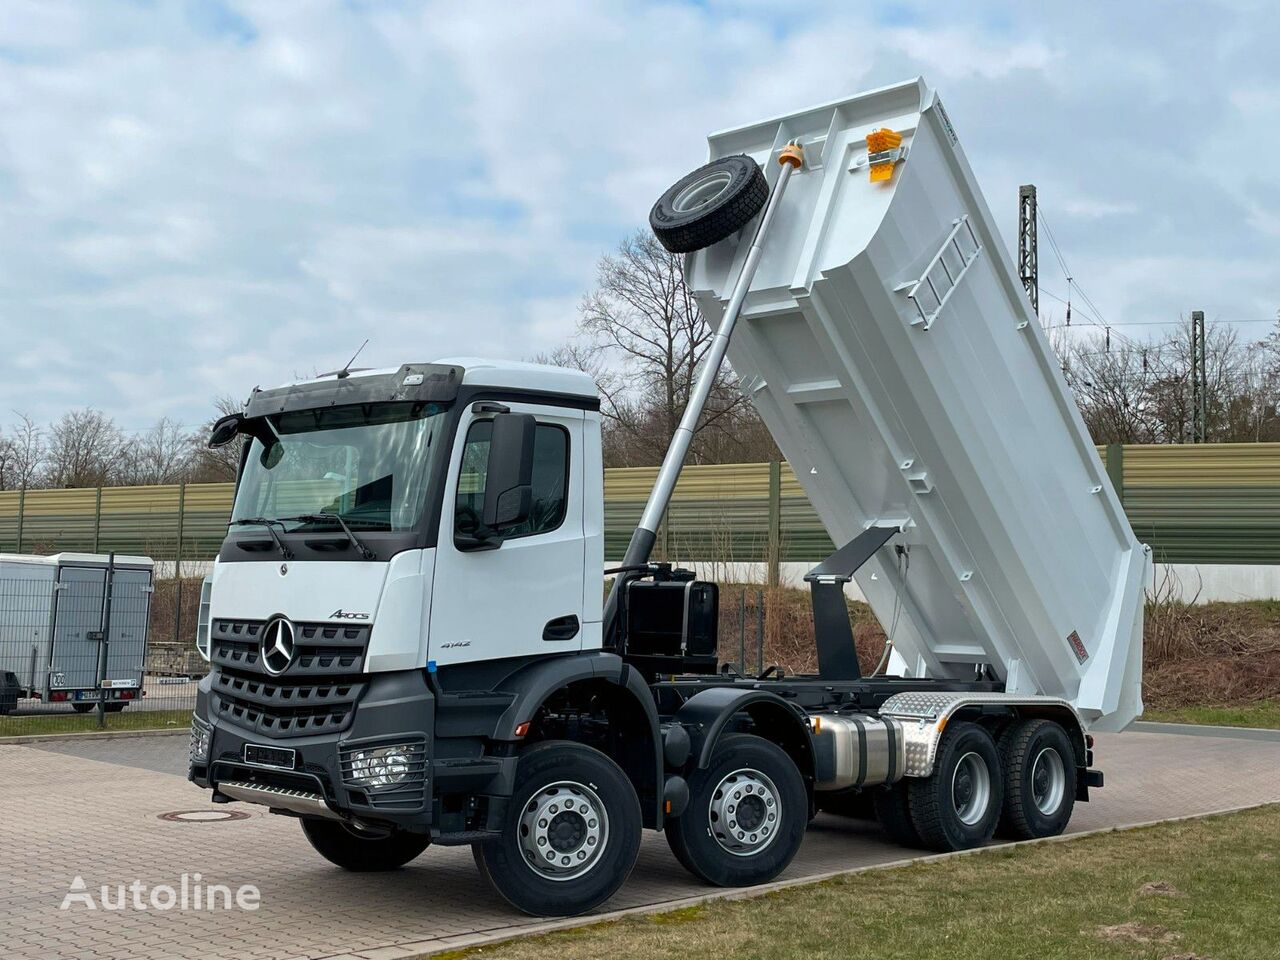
(524, 598)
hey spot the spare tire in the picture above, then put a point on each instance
(709, 204)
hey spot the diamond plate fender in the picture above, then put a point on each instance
(924, 716)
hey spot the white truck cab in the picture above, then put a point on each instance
(406, 632)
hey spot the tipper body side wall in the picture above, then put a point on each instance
(893, 354)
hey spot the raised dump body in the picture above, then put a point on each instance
(891, 350)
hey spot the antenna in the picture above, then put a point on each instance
(346, 371)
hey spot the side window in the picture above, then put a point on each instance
(550, 480)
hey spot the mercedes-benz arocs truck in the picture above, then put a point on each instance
(408, 636)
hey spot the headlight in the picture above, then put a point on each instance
(201, 737)
(375, 767)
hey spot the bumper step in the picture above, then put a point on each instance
(279, 798)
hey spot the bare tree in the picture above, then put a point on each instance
(6, 462)
(24, 451)
(161, 455)
(217, 465)
(1141, 392)
(643, 337)
(1111, 388)
(85, 449)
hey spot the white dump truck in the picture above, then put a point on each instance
(407, 635)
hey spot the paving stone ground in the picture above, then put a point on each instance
(92, 810)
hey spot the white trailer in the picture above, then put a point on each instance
(54, 619)
(405, 628)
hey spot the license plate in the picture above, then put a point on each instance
(88, 695)
(280, 757)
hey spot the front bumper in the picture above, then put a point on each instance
(397, 708)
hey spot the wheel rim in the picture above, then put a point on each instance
(971, 789)
(745, 812)
(563, 830)
(1048, 781)
(701, 192)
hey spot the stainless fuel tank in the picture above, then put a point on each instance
(856, 750)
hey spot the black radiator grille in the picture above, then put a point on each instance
(316, 694)
(322, 649)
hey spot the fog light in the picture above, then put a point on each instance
(201, 738)
(375, 767)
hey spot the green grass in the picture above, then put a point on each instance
(28, 726)
(1264, 713)
(1201, 889)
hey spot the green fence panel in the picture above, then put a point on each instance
(1205, 503)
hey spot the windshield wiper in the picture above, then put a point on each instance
(271, 529)
(334, 518)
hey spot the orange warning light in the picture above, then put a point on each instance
(884, 149)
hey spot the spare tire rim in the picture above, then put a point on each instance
(563, 830)
(745, 812)
(701, 192)
(971, 789)
(1048, 781)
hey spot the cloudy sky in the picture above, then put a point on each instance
(197, 197)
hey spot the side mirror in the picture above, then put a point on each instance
(508, 486)
(226, 430)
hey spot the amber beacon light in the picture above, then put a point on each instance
(884, 149)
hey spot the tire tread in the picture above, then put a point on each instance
(712, 226)
(1015, 823)
(925, 796)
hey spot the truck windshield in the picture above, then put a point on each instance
(368, 464)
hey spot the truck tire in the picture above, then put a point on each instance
(959, 804)
(893, 810)
(746, 815)
(709, 204)
(572, 834)
(82, 707)
(1039, 770)
(361, 853)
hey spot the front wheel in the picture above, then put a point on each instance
(362, 852)
(572, 834)
(746, 815)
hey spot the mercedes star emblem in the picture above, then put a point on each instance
(276, 647)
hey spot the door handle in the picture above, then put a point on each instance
(561, 628)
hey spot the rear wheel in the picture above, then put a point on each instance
(1039, 770)
(362, 852)
(572, 835)
(746, 815)
(83, 707)
(958, 806)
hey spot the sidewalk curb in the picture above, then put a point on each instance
(92, 735)
(483, 939)
(1204, 730)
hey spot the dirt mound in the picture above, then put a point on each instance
(1135, 932)
(1159, 889)
(1218, 653)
